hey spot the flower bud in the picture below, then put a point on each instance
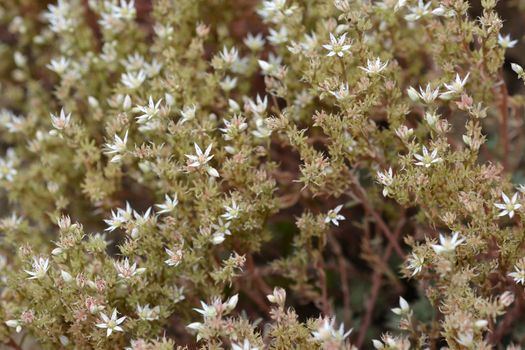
(57, 251)
(403, 309)
(232, 302)
(64, 340)
(431, 118)
(93, 102)
(66, 276)
(403, 132)
(170, 100)
(14, 324)
(516, 68)
(126, 105)
(506, 298)
(481, 324)
(412, 94)
(278, 297)
(377, 344)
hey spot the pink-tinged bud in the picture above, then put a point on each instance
(27, 316)
(100, 284)
(506, 298)
(81, 280)
(278, 296)
(64, 222)
(390, 85)
(202, 30)
(403, 132)
(465, 103)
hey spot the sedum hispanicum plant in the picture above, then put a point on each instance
(252, 175)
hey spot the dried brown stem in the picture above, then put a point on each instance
(255, 274)
(254, 296)
(362, 196)
(504, 127)
(343, 275)
(377, 282)
(325, 303)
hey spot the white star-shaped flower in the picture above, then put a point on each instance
(60, 65)
(187, 113)
(519, 273)
(147, 313)
(175, 257)
(447, 244)
(326, 332)
(7, 170)
(334, 216)
(111, 324)
(506, 41)
(254, 43)
(455, 88)
(342, 92)
(428, 95)
(200, 159)
(168, 205)
(221, 230)
(232, 211)
(149, 111)
(427, 159)
(40, 267)
(337, 46)
(229, 57)
(118, 147)
(415, 263)
(385, 178)
(416, 12)
(207, 311)
(133, 80)
(374, 66)
(127, 271)
(259, 106)
(61, 122)
(509, 205)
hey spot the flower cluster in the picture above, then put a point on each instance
(357, 154)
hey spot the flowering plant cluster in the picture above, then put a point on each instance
(249, 175)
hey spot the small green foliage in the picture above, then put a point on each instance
(255, 175)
